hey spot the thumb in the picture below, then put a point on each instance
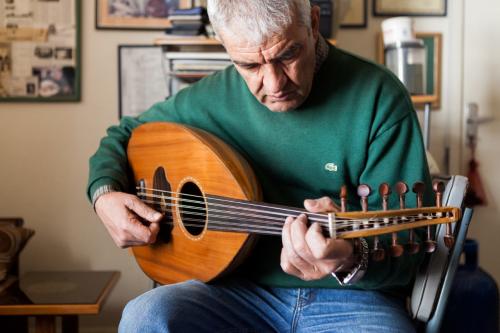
(143, 210)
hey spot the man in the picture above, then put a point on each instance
(309, 118)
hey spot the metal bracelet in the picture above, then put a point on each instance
(358, 271)
(100, 191)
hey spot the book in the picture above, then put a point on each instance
(186, 23)
(190, 26)
(197, 55)
(185, 18)
(189, 11)
(184, 32)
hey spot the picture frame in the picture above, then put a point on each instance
(114, 14)
(40, 46)
(356, 15)
(433, 43)
(141, 78)
(409, 8)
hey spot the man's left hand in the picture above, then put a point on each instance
(306, 253)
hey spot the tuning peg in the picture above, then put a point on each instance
(343, 198)
(401, 189)
(419, 189)
(364, 192)
(384, 190)
(438, 187)
(430, 244)
(396, 249)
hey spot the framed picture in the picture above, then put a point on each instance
(40, 51)
(141, 78)
(356, 15)
(136, 14)
(433, 44)
(409, 7)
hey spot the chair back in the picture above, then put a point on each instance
(433, 282)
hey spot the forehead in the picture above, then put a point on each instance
(238, 47)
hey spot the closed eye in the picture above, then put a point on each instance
(291, 53)
(249, 66)
(245, 65)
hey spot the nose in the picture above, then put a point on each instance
(274, 79)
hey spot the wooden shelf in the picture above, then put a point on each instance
(424, 99)
(196, 40)
(182, 40)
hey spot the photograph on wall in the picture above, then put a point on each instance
(409, 8)
(39, 50)
(355, 15)
(141, 78)
(136, 14)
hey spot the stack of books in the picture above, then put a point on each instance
(188, 22)
(185, 68)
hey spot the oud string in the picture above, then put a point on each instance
(232, 201)
(223, 226)
(201, 211)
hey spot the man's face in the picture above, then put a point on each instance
(279, 72)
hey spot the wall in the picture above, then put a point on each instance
(481, 82)
(364, 42)
(44, 149)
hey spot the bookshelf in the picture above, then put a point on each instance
(188, 59)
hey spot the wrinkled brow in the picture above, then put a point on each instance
(288, 52)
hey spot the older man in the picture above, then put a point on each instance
(309, 118)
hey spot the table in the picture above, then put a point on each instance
(47, 295)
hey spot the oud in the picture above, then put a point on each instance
(213, 214)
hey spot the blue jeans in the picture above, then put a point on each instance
(242, 306)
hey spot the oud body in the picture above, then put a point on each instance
(195, 162)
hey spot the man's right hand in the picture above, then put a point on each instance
(122, 213)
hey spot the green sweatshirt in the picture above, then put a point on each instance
(357, 126)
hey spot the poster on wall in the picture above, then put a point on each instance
(39, 50)
(141, 78)
(136, 14)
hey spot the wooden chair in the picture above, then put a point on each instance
(433, 282)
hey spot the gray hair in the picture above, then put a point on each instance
(257, 20)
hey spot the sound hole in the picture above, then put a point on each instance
(192, 208)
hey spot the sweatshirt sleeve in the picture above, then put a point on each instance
(109, 165)
(395, 153)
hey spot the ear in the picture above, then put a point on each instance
(315, 21)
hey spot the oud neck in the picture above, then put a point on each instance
(268, 219)
(235, 215)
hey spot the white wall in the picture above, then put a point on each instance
(481, 82)
(44, 151)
